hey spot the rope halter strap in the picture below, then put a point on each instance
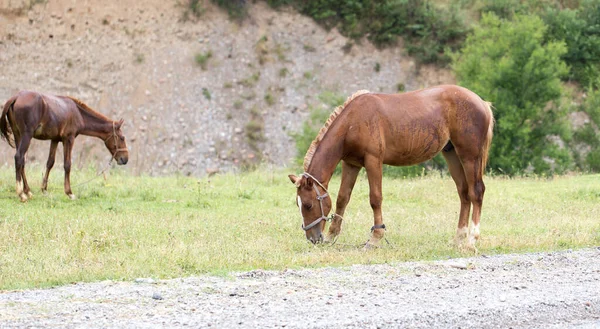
(115, 136)
(320, 198)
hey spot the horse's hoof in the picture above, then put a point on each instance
(330, 238)
(72, 196)
(29, 194)
(23, 197)
(370, 246)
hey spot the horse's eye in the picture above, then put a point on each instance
(122, 138)
(307, 206)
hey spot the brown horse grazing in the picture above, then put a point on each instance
(30, 115)
(370, 130)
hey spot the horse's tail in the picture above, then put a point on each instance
(5, 128)
(487, 143)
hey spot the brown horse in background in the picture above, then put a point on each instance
(371, 129)
(30, 115)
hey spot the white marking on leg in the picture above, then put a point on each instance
(72, 196)
(475, 231)
(19, 187)
(461, 233)
(474, 236)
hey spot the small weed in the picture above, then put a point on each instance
(139, 58)
(400, 87)
(348, 47)
(308, 75)
(194, 8)
(250, 81)
(309, 48)
(238, 104)
(206, 93)
(280, 51)
(262, 50)
(377, 67)
(249, 95)
(202, 59)
(269, 99)
(227, 85)
(283, 72)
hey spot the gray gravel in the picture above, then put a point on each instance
(541, 290)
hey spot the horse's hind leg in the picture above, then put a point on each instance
(22, 147)
(349, 175)
(49, 165)
(474, 176)
(458, 175)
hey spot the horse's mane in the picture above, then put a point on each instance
(82, 106)
(313, 146)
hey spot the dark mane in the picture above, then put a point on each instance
(83, 107)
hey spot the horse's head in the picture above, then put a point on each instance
(314, 203)
(115, 143)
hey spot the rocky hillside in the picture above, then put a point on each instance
(198, 95)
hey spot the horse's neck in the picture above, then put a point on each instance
(94, 126)
(326, 157)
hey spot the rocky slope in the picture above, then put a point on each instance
(136, 60)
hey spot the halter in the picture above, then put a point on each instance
(114, 135)
(320, 197)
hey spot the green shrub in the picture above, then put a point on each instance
(580, 30)
(429, 29)
(235, 8)
(510, 64)
(588, 134)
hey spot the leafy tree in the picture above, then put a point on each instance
(580, 30)
(588, 134)
(508, 63)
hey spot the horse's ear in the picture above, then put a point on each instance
(293, 178)
(120, 123)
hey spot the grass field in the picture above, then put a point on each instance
(125, 227)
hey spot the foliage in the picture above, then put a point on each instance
(427, 28)
(125, 227)
(202, 59)
(509, 64)
(588, 134)
(580, 30)
(235, 8)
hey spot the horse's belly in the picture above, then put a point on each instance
(43, 133)
(403, 159)
(412, 155)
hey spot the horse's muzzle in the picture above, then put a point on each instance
(317, 239)
(122, 160)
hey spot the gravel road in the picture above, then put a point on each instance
(540, 290)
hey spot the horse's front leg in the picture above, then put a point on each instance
(374, 167)
(49, 165)
(21, 181)
(349, 175)
(68, 148)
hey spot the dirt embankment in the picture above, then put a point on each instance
(136, 60)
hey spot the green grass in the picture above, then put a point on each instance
(164, 227)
